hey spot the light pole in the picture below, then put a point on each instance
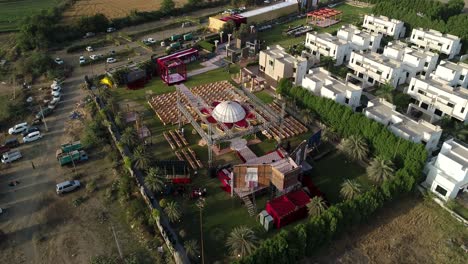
(229, 40)
(216, 46)
(221, 36)
(201, 205)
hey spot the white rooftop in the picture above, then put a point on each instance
(229, 112)
(329, 82)
(268, 8)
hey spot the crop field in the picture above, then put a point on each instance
(113, 8)
(12, 11)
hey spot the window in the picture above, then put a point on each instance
(370, 79)
(462, 110)
(379, 72)
(424, 106)
(426, 64)
(314, 52)
(439, 44)
(420, 38)
(347, 101)
(450, 104)
(385, 27)
(370, 43)
(438, 112)
(271, 63)
(414, 36)
(421, 92)
(412, 87)
(441, 190)
(358, 63)
(462, 77)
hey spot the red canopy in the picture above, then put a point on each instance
(288, 208)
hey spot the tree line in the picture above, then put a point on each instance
(408, 159)
(444, 17)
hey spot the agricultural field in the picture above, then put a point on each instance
(113, 8)
(12, 11)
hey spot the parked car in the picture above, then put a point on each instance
(151, 40)
(89, 35)
(32, 137)
(53, 103)
(59, 61)
(18, 128)
(11, 142)
(57, 88)
(111, 60)
(82, 59)
(89, 48)
(30, 130)
(110, 29)
(45, 112)
(67, 186)
(112, 52)
(11, 156)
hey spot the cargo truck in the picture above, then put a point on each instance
(73, 156)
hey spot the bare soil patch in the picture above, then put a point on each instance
(411, 230)
(113, 8)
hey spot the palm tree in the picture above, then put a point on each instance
(329, 134)
(129, 137)
(355, 147)
(172, 211)
(241, 241)
(154, 180)
(385, 91)
(380, 169)
(316, 206)
(307, 116)
(192, 249)
(141, 158)
(350, 189)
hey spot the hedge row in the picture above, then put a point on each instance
(304, 239)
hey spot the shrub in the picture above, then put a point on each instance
(91, 186)
(207, 46)
(162, 203)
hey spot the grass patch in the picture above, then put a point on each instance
(351, 14)
(265, 97)
(330, 172)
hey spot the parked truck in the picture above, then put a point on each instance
(73, 156)
(68, 147)
(175, 37)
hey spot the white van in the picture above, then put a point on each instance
(18, 128)
(32, 137)
(11, 156)
(67, 186)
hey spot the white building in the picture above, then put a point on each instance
(402, 126)
(455, 74)
(447, 173)
(321, 83)
(349, 38)
(277, 64)
(372, 68)
(436, 98)
(414, 61)
(384, 25)
(436, 41)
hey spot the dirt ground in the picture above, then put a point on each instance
(113, 8)
(409, 231)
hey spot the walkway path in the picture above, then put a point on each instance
(211, 63)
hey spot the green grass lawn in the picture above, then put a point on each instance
(351, 14)
(330, 172)
(265, 97)
(13, 11)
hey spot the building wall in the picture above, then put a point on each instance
(436, 41)
(390, 27)
(373, 72)
(215, 24)
(274, 14)
(454, 78)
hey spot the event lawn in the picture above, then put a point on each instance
(265, 97)
(351, 15)
(13, 11)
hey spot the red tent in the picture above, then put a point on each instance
(288, 208)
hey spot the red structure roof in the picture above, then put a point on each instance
(237, 19)
(172, 67)
(324, 13)
(288, 208)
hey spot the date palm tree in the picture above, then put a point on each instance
(380, 169)
(316, 206)
(129, 137)
(192, 249)
(172, 211)
(307, 116)
(350, 189)
(154, 180)
(241, 241)
(355, 148)
(329, 134)
(141, 158)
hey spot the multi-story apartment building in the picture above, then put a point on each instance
(455, 74)
(434, 40)
(276, 63)
(402, 126)
(384, 25)
(437, 99)
(415, 61)
(447, 173)
(349, 38)
(320, 82)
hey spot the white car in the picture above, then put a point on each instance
(95, 56)
(110, 29)
(151, 40)
(82, 59)
(59, 61)
(18, 128)
(32, 137)
(89, 48)
(53, 103)
(55, 93)
(57, 88)
(11, 156)
(67, 186)
(111, 60)
(56, 96)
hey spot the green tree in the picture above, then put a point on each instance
(241, 241)
(385, 91)
(129, 137)
(307, 116)
(154, 180)
(284, 85)
(401, 101)
(141, 159)
(172, 211)
(350, 189)
(192, 249)
(355, 147)
(380, 169)
(228, 28)
(167, 6)
(316, 206)
(329, 134)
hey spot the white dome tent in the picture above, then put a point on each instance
(229, 112)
